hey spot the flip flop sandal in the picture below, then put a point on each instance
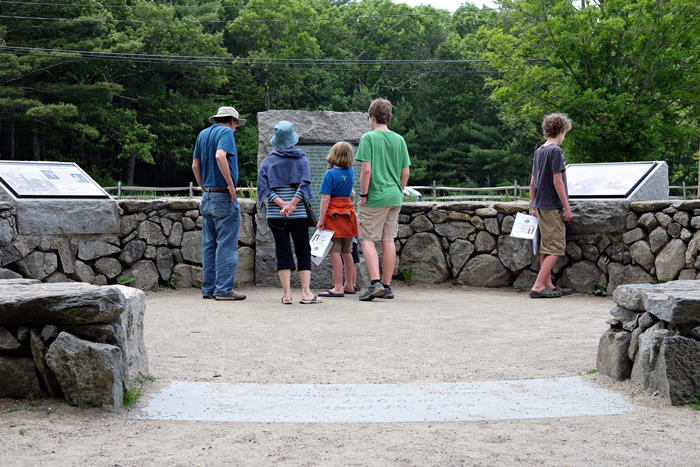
(545, 293)
(349, 293)
(563, 291)
(286, 302)
(330, 293)
(313, 300)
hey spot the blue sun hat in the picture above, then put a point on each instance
(285, 137)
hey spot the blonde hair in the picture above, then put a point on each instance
(341, 155)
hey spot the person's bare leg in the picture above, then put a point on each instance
(350, 273)
(388, 259)
(305, 279)
(337, 264)
(285, 276)
(371, 258)
(544, 277)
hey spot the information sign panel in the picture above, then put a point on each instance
(317, 159)
(609, 180)
(48, 180)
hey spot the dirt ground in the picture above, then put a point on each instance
(425, 335)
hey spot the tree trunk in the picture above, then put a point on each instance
(35, 141)
(130, 166)
(13, 145)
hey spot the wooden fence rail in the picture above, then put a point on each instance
(191, 189)
(514, 191)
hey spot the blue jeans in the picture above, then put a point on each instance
(222, 218)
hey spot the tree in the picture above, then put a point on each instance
(626, 71)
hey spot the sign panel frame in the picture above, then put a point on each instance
(614, 180)
(49, 180)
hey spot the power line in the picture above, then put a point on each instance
(196, 21)
(299, 64)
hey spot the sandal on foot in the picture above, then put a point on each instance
(563, 291)
(286, 302)
(313, 300)
(330, 293)
(545, 293)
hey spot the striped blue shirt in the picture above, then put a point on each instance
(286, 193)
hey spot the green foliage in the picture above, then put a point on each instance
(81, 404)
(695, 401)
(124, 280)
(22, 431)
(624, 71)
(29, 404)
(592, 371)
(196, 285)
(601, 290)
(407, 274)
(136, 389)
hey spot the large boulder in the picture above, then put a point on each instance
(613, 359)
(78, 303)
(670, 260)
(619, 275)
(677, 371)
(423, 255)
(485, 271)
(582, 277)
(18, 377)
(592, 217)
(515, 253)
(88, 372)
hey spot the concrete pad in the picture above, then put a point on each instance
(382, 403)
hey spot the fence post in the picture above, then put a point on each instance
(190, 189)
(434, 190)
(119, 190)
(684, 190)
(515, 190)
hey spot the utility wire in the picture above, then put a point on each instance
(237, 20)
(246, 63)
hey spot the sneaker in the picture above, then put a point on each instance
(388, 293)
(373, 291)
(207, 297)
(231, 296)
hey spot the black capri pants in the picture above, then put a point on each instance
(299, 231)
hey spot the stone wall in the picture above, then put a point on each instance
(608, 242)
(75, 341)
(159, 243)
(654, 338)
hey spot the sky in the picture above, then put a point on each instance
(450, 5)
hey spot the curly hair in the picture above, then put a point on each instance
(341, 155)
(555, 124)
(381, 109)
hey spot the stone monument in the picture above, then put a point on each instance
(318, 132)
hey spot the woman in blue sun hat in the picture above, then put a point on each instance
(284, 180)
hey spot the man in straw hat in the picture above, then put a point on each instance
(215, 166)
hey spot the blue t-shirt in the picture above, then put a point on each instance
(549, 160)
(209, 141)
(338, 182)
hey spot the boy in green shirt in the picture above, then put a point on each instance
(385, 172)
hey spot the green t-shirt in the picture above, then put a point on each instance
(387, 153)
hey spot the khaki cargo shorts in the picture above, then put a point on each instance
(378, 223)
(552, 231)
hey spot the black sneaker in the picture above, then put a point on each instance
(388, 293)
(372, 292)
